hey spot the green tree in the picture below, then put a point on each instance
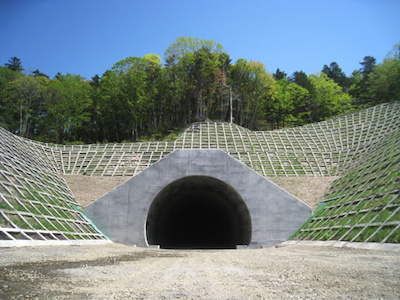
(290, 105)
(67, 103)
(383, 83)
(197, 69)
(92, 131)
(23, 99)
(37, 73)
(254, 91)
(15, 64)
(203, 76)
(7, 120)
(154, 104)
(183, 46)
(336, 74)
(328, 98)
(278, 107)
(301, 78)
(6, 75)
(367, 65)
(278, 75)
(299, 98)
(129, 96)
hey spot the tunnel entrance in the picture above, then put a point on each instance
(198, 212)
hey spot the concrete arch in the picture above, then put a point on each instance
(124, 213)
(198, 212)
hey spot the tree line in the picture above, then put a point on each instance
(139, 97)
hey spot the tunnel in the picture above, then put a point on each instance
(198, 199)
(198, 212)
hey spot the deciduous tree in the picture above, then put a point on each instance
(67, 103)
(254, 90)
(383, 83)
(328, 98)
(23, 102)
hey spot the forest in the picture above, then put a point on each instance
(141, 98)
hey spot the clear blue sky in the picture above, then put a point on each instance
(87, 37)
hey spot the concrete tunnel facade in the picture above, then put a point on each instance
(198, 199)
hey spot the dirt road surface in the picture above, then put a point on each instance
(115, 271)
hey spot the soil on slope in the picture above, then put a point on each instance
(310, 190)
(86, 189)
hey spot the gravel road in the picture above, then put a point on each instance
(115, 271)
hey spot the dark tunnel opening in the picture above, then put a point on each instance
(198, 212)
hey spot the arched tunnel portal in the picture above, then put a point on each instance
(198, 199)
(198, 212)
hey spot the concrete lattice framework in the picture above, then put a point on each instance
(320, 149)
(36, 204)
(364, 204)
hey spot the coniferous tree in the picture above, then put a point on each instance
(278, 75)
(37, 73)
(368, 65)
(15, 64)
(336, 74)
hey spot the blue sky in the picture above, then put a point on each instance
(87, 37)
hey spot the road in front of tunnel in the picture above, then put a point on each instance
(115, 271)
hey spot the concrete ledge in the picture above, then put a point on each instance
(340, 244)
(242, 246)
(27, 243)
(154, 246)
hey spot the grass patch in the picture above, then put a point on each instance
(4, 205)
(18, 221)
(339, 233)
(394, 237)
(366, 233)
(47, 225)
(381, 234)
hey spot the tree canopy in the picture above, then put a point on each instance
(140, 98)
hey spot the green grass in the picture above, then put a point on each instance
(18, 221)
(394, 237)
(4, 205)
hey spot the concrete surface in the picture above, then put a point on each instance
(170, 194)
(351, 245)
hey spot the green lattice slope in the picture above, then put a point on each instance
(35, 203)
(321, 149)
(363, 205)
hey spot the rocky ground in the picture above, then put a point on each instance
(115, 271)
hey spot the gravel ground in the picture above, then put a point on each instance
(115, 271)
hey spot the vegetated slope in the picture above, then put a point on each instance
(35, 203)
(364, 204)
